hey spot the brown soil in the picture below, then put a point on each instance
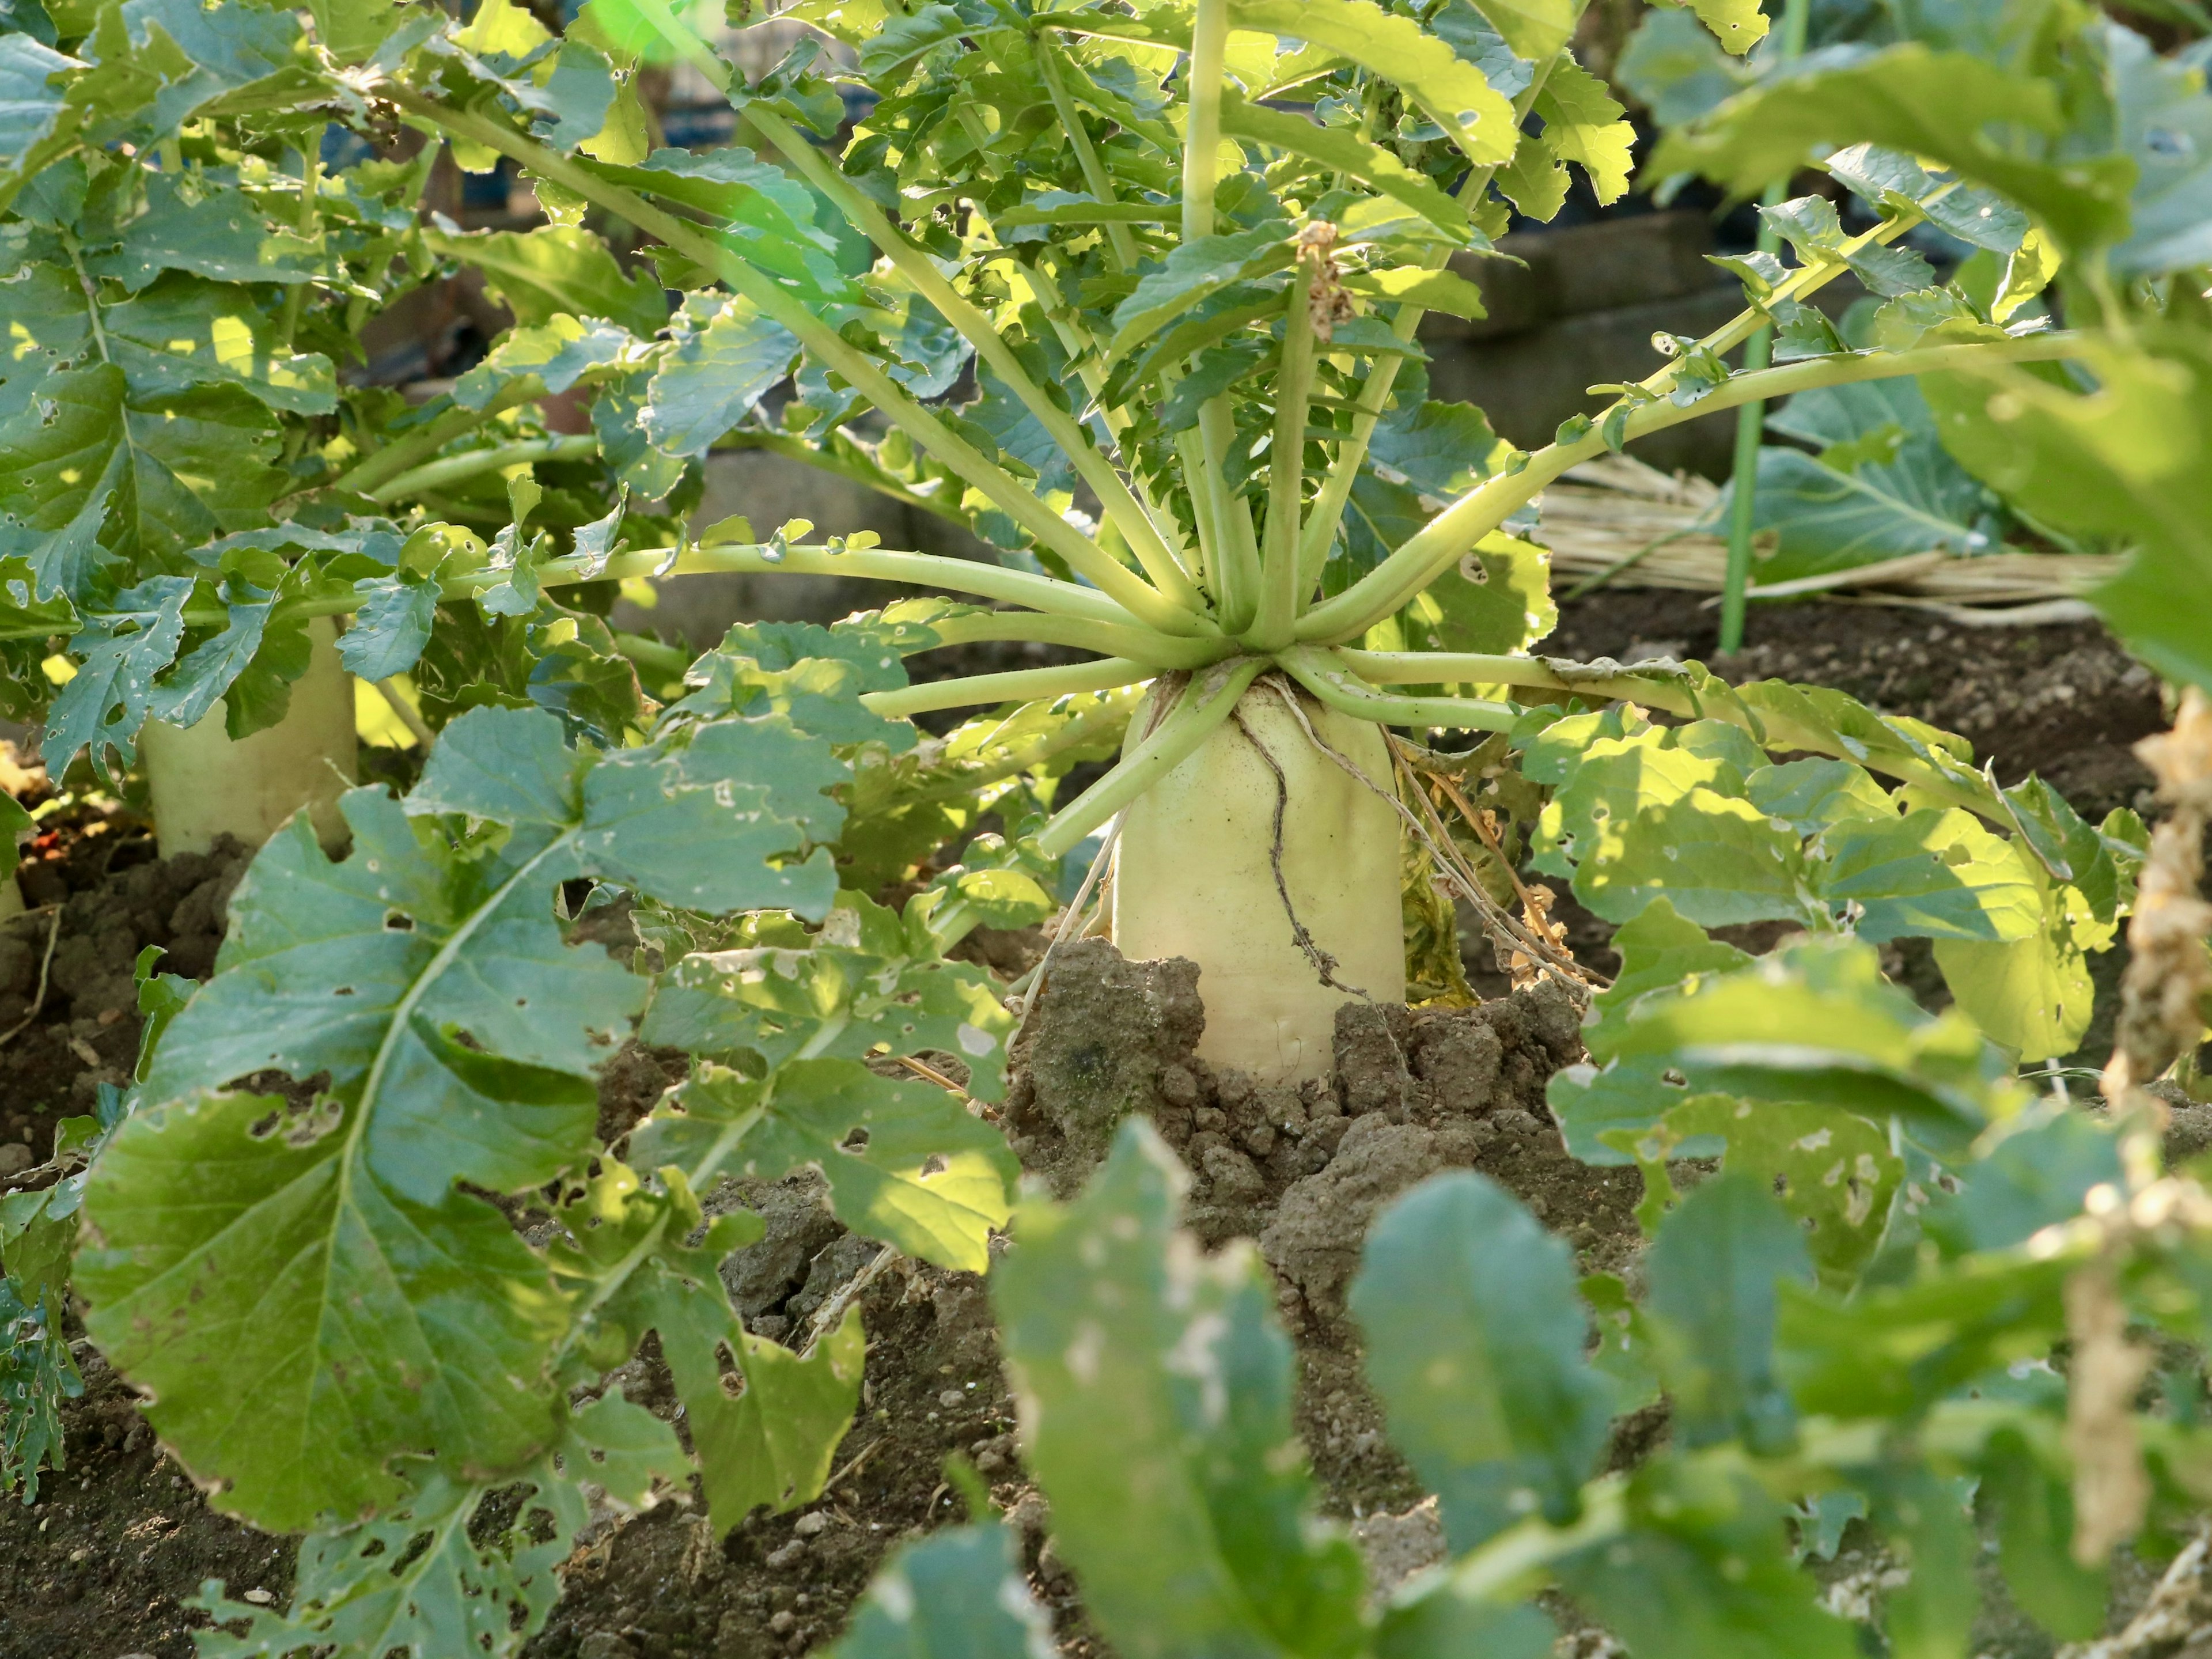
(97, 1567)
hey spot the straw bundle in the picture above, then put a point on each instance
(1617, 522)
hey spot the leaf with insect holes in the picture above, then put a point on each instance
(1648, 816)
(1815, 1022)
(1475, 1341)
(113, 473)
(1832, 1169)
(1935, 873)
(457, 1035)
(904, 1161)
(416, 1582)
(855, 991)
(1180, 1496)
(716, 370)
(103, 706)
(766, 1436)
(217, 233)
(555, 356)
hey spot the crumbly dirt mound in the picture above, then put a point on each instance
(99, 900)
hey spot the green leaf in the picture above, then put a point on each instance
(1441, 449)
(905, 1162)
(2033, 1509)
(184, 332)
(957, 1594)
(1450, 91)
(1813, 795)
(2132, 461)
(1497, 598)
(1417, 285)
(555, 354)
(555, 269)
(391, 628)
(1824, 518)
(1936, 105)
(1644, 817)
(905, 36)
(458, 1037)
(1931, 874)
(1710, 1307)
(1674, 69)
(1815, 1022)
(1533, 29)
(1155, 1393)
(113, 473)
(102, 708)
(715, 374)
(1890, 1353)
(1340, 151)
(1474, 1340)
(1195, 271)
(2166, 126)
(1442, 1622)
(2033, 995)
(1700, 1571)
(773, 222)
(36, 1375)
(1738, 24)
(219, 233)
(772, 1443)
(1831, 1169)
(1884, 179)
(31, 105)
(2035, 1177)
(1582, 125)
(417, 1580)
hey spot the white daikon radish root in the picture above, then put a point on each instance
(1195, 875)
(205, 785)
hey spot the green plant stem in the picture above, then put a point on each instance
(1280, 591)
(1095, 178)
(1206, 702)
(914, 263)
(296, 297)
(873, 564)
(1238, 550)
(1751, 419)
(451, 469)
(395, 458)
(1232, 574)
(1327, 675)
(1115, 500)
(1451, 533)
(91, 294)
(1138, 644)
(1020, 686)
(827, 346)
(826, 460)
(1375, 390)
(1743, 503)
